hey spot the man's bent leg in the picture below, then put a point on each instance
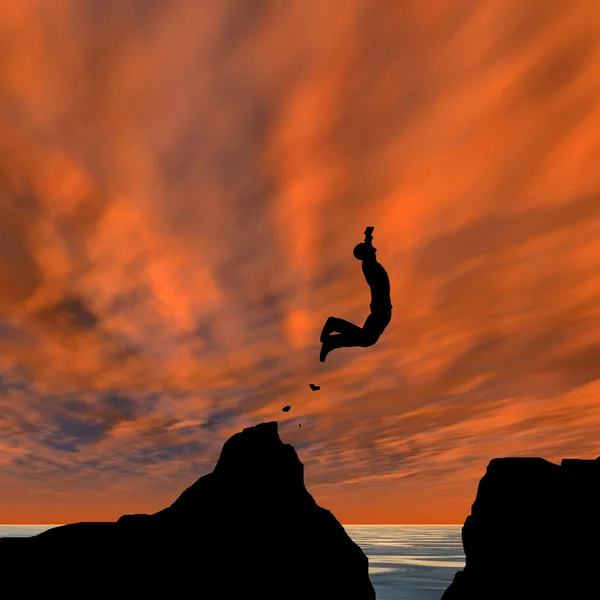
(374, 326)
(352, 338)
(338, 325)
(332, 342)
(352, 335)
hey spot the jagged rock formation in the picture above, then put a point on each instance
(249, 529)
(533, 532)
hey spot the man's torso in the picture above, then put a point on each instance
(379, 282)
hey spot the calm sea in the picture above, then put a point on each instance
(406, 562)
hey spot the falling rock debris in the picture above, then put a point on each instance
(314, 387)
(286, 408)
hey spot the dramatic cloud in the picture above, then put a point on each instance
(181, 187)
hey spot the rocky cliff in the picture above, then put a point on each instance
(533, 532)
(248, 529)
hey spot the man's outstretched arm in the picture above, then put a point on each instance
(369, 236)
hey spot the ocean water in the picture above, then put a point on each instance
(410, 562)
(406, 562)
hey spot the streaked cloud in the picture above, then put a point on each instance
(181, 187)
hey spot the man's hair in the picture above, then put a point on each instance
(362, 251)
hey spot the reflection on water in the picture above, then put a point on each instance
(406, 562)
(456, 563)
(23, 530)
(410, 562)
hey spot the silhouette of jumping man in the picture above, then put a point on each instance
(348, 334)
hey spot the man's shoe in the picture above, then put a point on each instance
(325, 350)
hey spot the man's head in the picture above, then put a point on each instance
(363, 251)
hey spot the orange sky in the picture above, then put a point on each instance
(181, 187)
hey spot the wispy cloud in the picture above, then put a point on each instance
(181, 187)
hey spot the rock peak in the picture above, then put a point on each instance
(254, 465)
(248, 529)
(255, 449)
(254, 441)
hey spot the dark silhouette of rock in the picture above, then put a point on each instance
(533, 532)
(286, 408)
(314, 387)
(249, 529)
